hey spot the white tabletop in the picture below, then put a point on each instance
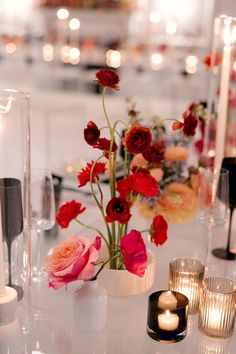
(52, 313)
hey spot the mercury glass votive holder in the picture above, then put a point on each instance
(217, 307)
(167, 320)
(186, 276)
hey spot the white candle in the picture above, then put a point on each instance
(215, 317)
(2, 273)
(223, 103)
(167, 300)
(168, 321)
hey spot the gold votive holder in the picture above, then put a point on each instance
(217, 307)
(167, 316)
(186, 276)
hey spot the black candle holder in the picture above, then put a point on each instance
(12, 220)
(167, 324)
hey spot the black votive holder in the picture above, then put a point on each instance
(165, 324)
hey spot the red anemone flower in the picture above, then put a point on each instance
(118, 210)
(91, 133)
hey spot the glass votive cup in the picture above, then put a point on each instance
(217, 307)
(186, 276)
(167, 323)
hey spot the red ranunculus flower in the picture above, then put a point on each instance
(123, 187)
(137, 139)
(134, 253)
(84, 175)
(143, 183)
(189, 124)
(136, 169)
(159, 230)
(118, 210)
(91, 133)
(193, 106)
(154, 154)
(68, 212)
(104, 145)
(108, 78)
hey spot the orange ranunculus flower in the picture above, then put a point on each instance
(195, 181)
(177, 204)
(176, 153)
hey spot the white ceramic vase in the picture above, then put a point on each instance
(124, 283)
(90, 307)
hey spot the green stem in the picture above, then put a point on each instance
(103, 265)
(164, 120)
(104, 109)
(148, 230)
(97, 201)
(94, 229)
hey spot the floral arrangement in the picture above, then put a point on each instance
(78, 257)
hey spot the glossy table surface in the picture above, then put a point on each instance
(52, 311)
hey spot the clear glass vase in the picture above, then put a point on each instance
(15, 197)
(90, 307)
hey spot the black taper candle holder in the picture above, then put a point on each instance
(12, 219)
(229, 163)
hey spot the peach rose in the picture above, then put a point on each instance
(177, 204)
(176, 153)
(73, 259)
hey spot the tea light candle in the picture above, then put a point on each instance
(167, 316)
(168, 321)
(167, 300)
(214, 319)
(217, 307)
(186, 277)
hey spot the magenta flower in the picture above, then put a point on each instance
(134, 253)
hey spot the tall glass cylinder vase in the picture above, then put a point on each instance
(220, 136)
(15, 195)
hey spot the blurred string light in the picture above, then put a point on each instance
(74, 55)
(171, 27)
(154, 17)
(113, 58)
(156, 61)
(234, 66)
(191, 64)
(10, 48)
(48, 52)
(62, 14)
(65, 53)
(74, 24)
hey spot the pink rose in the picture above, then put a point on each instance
(73, 259)
(134, 253)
